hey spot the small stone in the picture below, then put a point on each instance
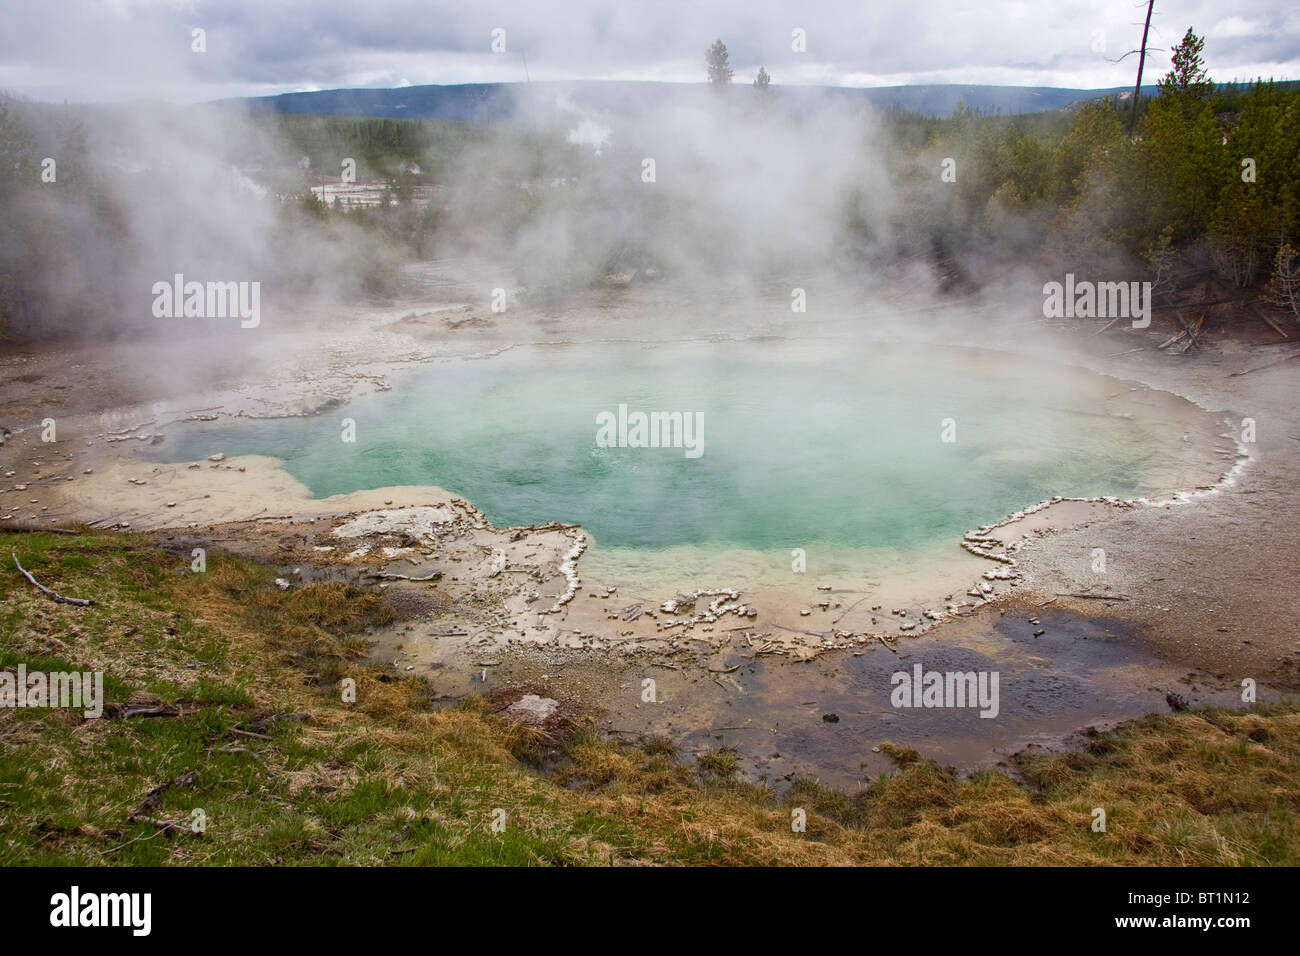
(534, 709)
(217, 457)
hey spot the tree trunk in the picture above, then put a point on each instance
(1142, 58)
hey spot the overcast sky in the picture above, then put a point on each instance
(97, 50)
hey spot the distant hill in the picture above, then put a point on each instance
(484, 102)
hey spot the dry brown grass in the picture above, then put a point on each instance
(1223, 788)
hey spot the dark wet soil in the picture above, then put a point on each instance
(823, 717)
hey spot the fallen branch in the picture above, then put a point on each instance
(799, 630)
(850, 610)
(1178, 311)
(241, 750)
(1105, 327)
(1094, 597)
(129, 842)
(31, 527)
(80, 602)
(165, 825)
(262, 724)
(1199, 323)
(1259, 368)
(247, 733)
(143, 710)
(1221, 726)
(154, 797)
(1266, 320)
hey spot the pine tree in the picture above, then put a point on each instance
(719, 63)
(1188, 76)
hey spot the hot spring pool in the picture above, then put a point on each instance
(832, 448)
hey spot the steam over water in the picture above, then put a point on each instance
(837, 449)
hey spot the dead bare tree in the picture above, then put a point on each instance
(1284, 289)
(1142, 59)
(1161, 261)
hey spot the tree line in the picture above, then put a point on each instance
(1210, 176)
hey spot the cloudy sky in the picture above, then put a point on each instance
(103, 50)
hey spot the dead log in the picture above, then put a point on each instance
(31, 527)
(1264, 318)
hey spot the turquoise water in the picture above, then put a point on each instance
(800, 443)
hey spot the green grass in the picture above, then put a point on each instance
(390, 780)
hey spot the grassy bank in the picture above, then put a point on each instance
(214, 658)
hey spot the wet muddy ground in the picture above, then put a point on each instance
(825, 717)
